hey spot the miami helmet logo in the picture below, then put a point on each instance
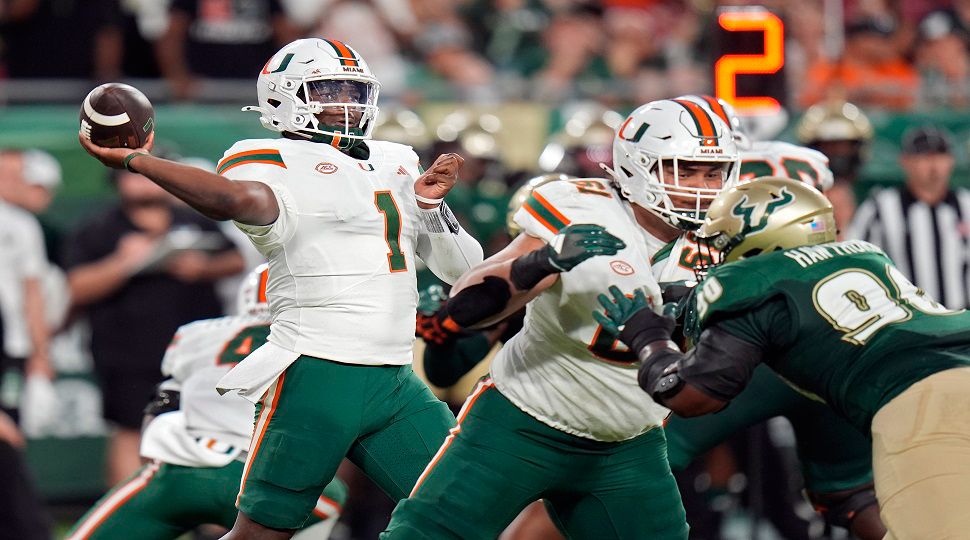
(635, 137)
(283, 64)
(755, 214)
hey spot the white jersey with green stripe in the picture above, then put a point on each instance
(341, 255)
(208, 430)
(561, 368)
(777, 158)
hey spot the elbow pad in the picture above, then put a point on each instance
(720, 365)
(479, 302)
(658, 374)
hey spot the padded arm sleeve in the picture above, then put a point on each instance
(447, 249)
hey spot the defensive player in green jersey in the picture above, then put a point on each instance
(837, 321)
(835, 457)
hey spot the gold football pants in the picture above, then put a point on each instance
(921, 459)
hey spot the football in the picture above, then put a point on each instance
(116, 115)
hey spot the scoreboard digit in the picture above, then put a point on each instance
(752, 45)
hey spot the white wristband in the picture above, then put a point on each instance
(426, 200)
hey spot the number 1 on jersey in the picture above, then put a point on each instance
(386, 205)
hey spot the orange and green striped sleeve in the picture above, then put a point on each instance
(545, 213)
(267, 156)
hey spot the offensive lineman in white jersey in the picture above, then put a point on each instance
(677, 260)
(341, 220)
(560, 418)
(196, 440)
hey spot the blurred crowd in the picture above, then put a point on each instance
(880, 53)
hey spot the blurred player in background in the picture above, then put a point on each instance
(838, 321)
(119, 261)
(341, 219)
(26, 336)
(842, 132)
(195, 439)
(558, 392)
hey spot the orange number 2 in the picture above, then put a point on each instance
(729, 66)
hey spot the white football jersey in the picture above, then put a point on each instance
(777, 158)
(677, 260)
(561, 368)
(208, 430)
(342, 252)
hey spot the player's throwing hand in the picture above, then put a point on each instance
(114, 157)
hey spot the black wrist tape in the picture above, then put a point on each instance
(529, 269)
(643, 328)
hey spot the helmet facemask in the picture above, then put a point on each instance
(671, 186)
(342, 110)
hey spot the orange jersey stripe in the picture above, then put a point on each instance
(261, 290)
(552, 209)
(247, 153)
(540, 219)
(326, 508)
(479, 390)
(248, 161)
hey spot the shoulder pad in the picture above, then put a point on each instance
(555, 205)
(402, 153)
(731, 288)
(262, 156)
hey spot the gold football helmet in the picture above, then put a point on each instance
(523, 193)
(764, 215)
(834, 121)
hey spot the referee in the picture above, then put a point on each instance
(924, 224)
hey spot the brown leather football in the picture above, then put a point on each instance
(116, 115)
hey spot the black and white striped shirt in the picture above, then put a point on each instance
(929, 244)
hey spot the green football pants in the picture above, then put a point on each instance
(499, 459)
(383, 418)
(834, 455)
(162, 501)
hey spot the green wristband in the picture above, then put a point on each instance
(130, 157)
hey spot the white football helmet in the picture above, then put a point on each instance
(310, 75)
(672, 131)
(251, 298)
(725, 111)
